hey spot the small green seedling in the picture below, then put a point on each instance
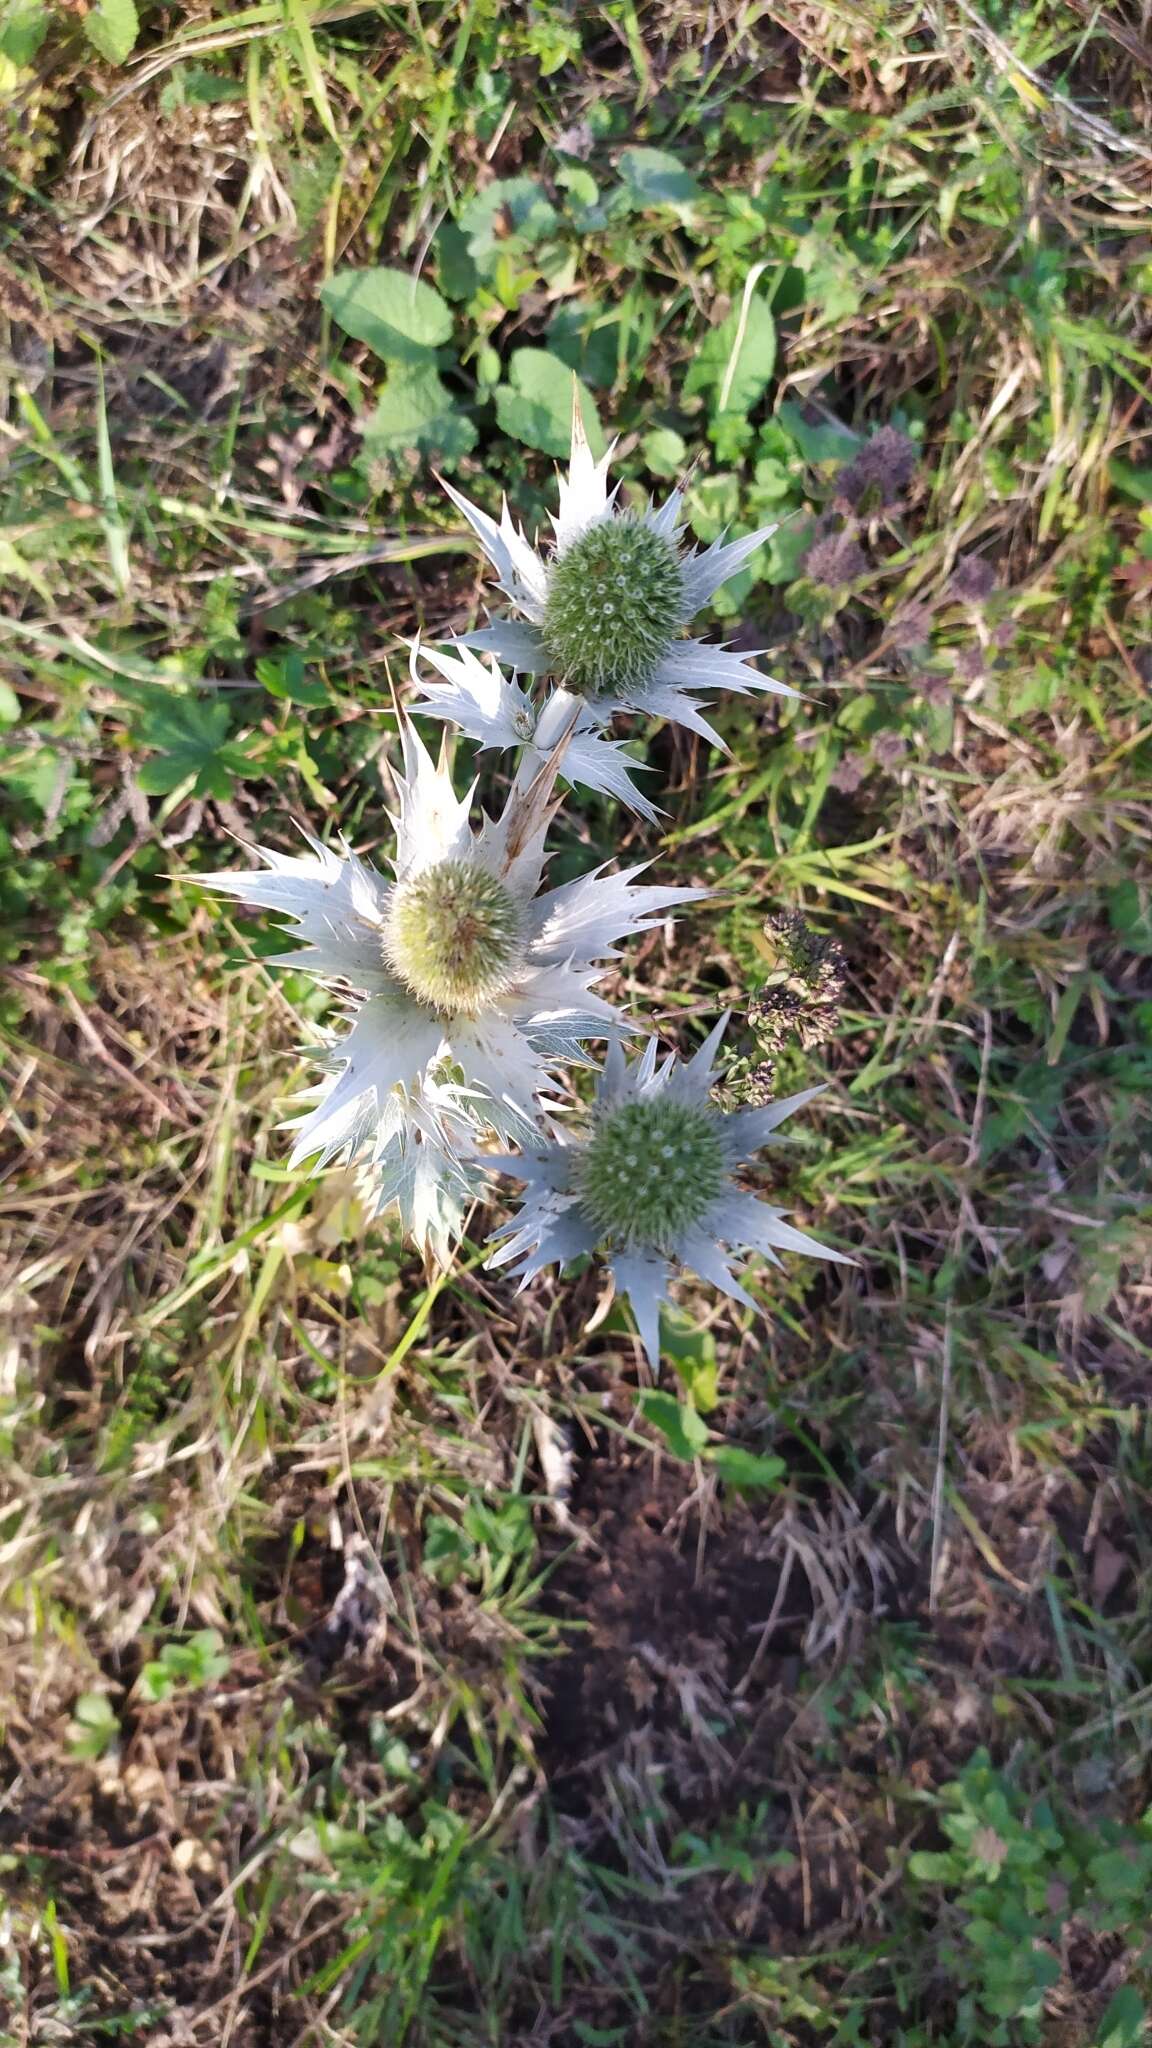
(184, 1667)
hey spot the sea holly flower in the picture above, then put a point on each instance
(411, 1149)
(651, 1184)
(605, 612)
(464, 983)
(492, 708)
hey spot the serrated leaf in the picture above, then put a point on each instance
(746, 1470)
(190, 736)
(735, 361)
(400, 317)
(112, 29)
(682, 1429)
(653, 177)
(535, 405)
(416, 415)
(283, 676)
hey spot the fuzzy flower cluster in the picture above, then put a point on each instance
(469, 988)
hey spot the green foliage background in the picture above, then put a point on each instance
(878, 272)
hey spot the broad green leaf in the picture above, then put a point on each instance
(735, 361)
(653, 177)
(112, 29)
(1130, 915)
(22, 30)
(553, 41)
(787, 549)
(155, 1683)
(664, 452)
(283, 676)
(933, 1866)
(416, 416)
(832, 272)
(1125, 2020)
(94, 1710)
(455, 269)
(40, 775)
(190, 736)
(535, 405)
(192, 86)
(1121, 1876)
(579, 184)
(691, 1352)
(508, 210)
(94, 1726)
(745, 1469)
(816, 440)
(682, 1429)
(1135, 483)
(9, 704)
(400, 317)
(587, 339)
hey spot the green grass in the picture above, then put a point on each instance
(813, 1708)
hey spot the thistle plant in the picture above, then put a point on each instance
(468, 989)
(651, 1184)
(492, 709)
(464, 985)
(604, 613)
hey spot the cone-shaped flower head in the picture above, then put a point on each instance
(453, 935)
(615, 605)
(607, 609)
(464, 984)
(651, 1183)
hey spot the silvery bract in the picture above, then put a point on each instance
(652, 1183)
(467, 985)
(491, 708)
(607, 608)
(410, 1148)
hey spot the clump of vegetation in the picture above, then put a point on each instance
(385, 1655)
(800, 1000)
